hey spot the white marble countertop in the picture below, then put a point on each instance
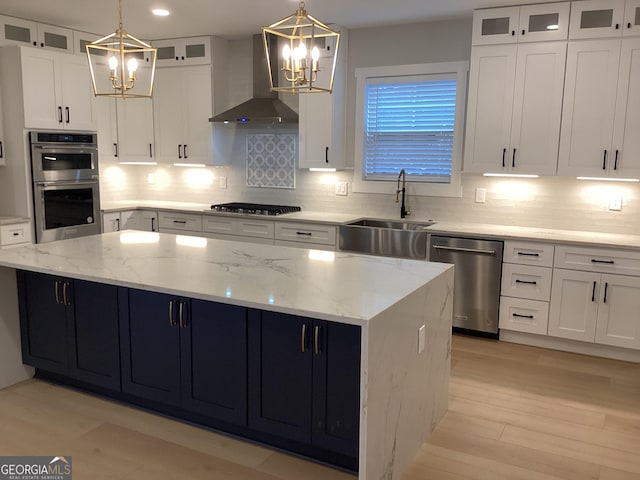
(340, 287)
(537, 234)
(451, 228)
(9, 220)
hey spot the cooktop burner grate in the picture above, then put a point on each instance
(254, 208)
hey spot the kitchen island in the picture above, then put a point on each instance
(400, 309)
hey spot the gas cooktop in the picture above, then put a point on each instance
(254, 208)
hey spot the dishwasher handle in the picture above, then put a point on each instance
(467, 250)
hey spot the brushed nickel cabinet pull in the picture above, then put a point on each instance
(171, 322)
(316, 334)
(181, 313)
(303, 337)
(65, 299)
(57, 287)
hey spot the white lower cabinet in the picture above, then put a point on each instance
(15, 234)
(592, 306)
(525, 287)
(306, 235)
(144, 220)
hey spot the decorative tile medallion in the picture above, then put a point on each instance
(271, 160)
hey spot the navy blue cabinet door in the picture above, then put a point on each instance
(43, 321)
(214, 360)
(94, 342)
(336, 387)
(150, 345)
(280, 365)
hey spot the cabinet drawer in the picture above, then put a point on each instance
(180, 221)
(238, 226)
(310, 246)
(597, 260)
(255, 228)
(521, 315)
(15, 234)
(306, 233)
(525, 281)
(216, 224)
(527, 253)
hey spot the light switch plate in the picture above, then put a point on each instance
(341, 188)
(223, 183)
(615, 203)
(481, 195)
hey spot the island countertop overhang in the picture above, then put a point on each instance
(335, 286)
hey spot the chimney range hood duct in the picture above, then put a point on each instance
(265, 106)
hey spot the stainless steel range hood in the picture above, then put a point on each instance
(265, 106)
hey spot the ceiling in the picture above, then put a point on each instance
(233, 18)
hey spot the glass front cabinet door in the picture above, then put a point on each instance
(529, 23)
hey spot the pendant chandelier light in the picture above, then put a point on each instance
(121, 65)
(304, 60)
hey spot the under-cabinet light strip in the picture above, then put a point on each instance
(607, 179)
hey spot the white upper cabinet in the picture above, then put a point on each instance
(182, 107)
(632, 18)
(626, 137)
(530, 23)
(135, 130)
(16, 31)
(514, 107)
(596, 19)
(56, 90)
(599, 124)
(183, 51)
(321, 124)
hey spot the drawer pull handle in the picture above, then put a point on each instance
(308, 234)
(504, 152)
(528, 282)
(593, 292)
(604, 161)
(522, 316)
(15, 234)
(608, 262)
(606, 285)
(527, 254)
(180, 221)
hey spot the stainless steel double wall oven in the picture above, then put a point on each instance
(66, 193)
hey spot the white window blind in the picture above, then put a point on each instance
(409, 123)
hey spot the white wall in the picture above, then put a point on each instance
(552, 202)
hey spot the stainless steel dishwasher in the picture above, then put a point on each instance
(478, 270)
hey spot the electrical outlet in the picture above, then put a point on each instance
(222, 182)
(422, 338)
(341, 188)
(615, 203)
(150, 179)
(481, 195)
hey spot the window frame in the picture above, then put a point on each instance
(422, 188)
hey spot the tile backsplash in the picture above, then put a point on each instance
(549, 202)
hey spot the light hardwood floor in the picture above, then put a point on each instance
(515, 412)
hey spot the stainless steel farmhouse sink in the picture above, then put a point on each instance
(390, 238)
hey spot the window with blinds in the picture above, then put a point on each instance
(409, 122)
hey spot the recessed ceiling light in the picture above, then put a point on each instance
(161, 12)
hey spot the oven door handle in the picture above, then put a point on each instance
(64, 147)
(65, 184)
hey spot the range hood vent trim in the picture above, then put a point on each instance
(265, 107)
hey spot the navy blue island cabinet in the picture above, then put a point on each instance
(187, 353)
(304, 380)
(70, 327)
(285, 380)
